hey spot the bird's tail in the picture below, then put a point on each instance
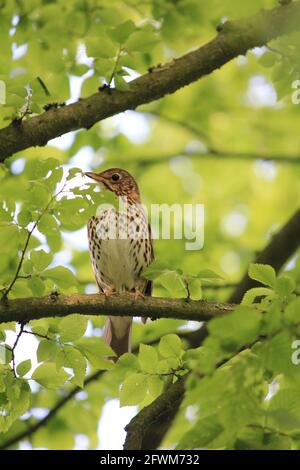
(117, 334)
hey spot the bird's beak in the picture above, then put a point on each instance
(99, 178)
(95, 176)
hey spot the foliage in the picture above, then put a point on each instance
(242, 386)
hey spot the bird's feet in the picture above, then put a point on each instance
(109, 293)
(137, 294)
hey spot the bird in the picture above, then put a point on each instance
(121, 247)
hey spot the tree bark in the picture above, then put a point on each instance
(34, 308)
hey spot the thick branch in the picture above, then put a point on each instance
(235, 39)
(24, 310)
(282, 246)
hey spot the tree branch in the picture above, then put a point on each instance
(210, 151)
(234, 39)
(34, 308)
(282, 246)
(215, 154)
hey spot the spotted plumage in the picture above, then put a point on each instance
(120, 247)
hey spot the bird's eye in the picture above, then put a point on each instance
(115, 177)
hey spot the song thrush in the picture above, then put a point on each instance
(120, 247)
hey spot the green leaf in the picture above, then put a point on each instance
(48, 376)
(15, 402)
(72, 358)
(141, 41)
(73, 172)
(61, 276)
(252, 294)
(148, 358)
(121, 84)
(9, 237)
(155, 385)
(38, 196)
(292, 311)
(47, 225)
(90, 86)
(268, 59)
(47, 350)
(155, 270)
(166, 366)
(122, 31)
(174, 284)
(96, 351)
(36, 286)
(101, 46)
(209, 274)
(195, 289)
(272, 319)
(133, 390)
(72, 328)
(276, 356)
(170, 345)
(40, 259)
(5, 216)
(79, 69)
(72, 213)
(202, 433)
(40, 327)
(236, 329)
(24, 217)
(24, 367)
(128, 361)
(57, 435)
(285, 285)
(284, 407)
(55, 177)
(263, 273)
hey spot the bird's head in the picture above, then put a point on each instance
(118, 181)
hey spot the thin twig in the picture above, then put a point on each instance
(273, 431)
(115, 66)
(14, 348)
(39, 335)
(44, 87)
